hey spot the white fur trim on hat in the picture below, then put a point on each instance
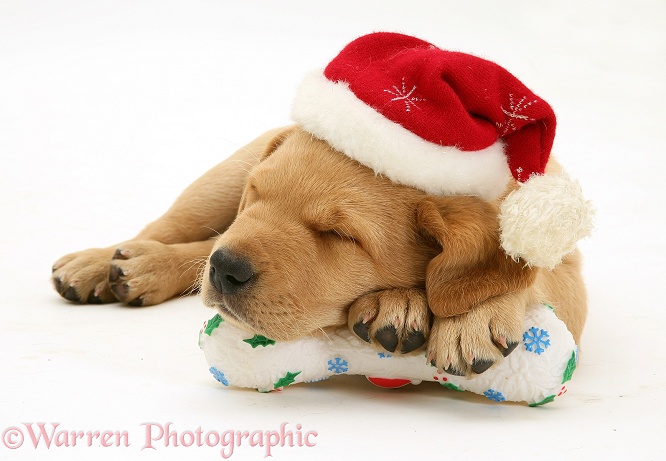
(542, 220)
(330, 111)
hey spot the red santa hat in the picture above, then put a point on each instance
(448, 123)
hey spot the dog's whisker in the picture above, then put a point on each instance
(328, 338)
(195, 286)
(218, 233)
(192, 263)
(252, 152)
(245, 165)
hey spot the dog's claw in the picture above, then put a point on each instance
(414, 340)
(115, 273)
(94, 299)
(138, 302)
(72, 295)
(479, 366)
(509, 349)
(452, 371)
(58, 285)
(120, 290)
(120, 254)
(362, 330)
(388, 338)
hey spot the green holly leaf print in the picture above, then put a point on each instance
(548, 399)
(452, 387)
(571, 366)
(213, 324)
(286, 380)
(259, 340)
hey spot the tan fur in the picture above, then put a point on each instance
(472, 266)
(333, 243)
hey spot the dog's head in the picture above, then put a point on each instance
(315, 230)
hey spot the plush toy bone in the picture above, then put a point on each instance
(535, 372)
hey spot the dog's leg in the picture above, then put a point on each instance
(475, 340)
(204, 210)
(137, 273)
(209, 205)
(563, 289)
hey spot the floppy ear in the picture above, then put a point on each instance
(270, 141)
(276, 141)
(472, 266)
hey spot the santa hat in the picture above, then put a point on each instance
(449, 123)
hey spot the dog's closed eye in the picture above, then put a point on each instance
(336, 234)
(331, 228)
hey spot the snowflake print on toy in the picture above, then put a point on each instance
(494, 395)
(218, 375)
(536, 340)
(338, 366)
(534, 373)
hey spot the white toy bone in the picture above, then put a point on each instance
(535, 372)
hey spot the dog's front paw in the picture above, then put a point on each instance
(82, 277)
(144, 273)
(397, 319)
(475, 341)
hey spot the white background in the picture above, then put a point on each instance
(108, 109)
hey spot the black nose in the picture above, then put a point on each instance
(229, 273)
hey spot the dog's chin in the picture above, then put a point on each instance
(265, 326)
(250, 326)
(243, 322)
(273, 326)
(228, 314)
(232, 316)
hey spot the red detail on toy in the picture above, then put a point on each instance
(389, 383)
(444, 378)
(562, 391)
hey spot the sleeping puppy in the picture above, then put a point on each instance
(413, 201)
(289, 237)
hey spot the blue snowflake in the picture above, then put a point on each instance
(384, 355)
(494, 395)
(217, 374)
(536, 340)
(337, 365)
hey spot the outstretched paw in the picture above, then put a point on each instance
(142, 273)
(82, 277)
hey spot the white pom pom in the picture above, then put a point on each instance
(542, 221)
